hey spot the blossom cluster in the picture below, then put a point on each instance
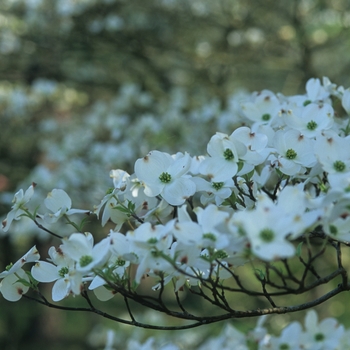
(326, 334)
(193, 211)
(75, 157)
(186, 219)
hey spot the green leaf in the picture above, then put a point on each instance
(260, 274)
(122, 209)
(298, 250)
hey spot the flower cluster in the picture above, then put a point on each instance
(188, 219)
(327, 334)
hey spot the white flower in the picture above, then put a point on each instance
(211, 220)
(310, 120)
(295, 151)
(119, 178)
(268, 237)
(146, 241)
(294, 202)
(98, 284)
(80, 247)
(217, 191)
(10, 288)
(185, 230)
(60, 204)
(263, 109)
(31, 256)
(109, 205)
(18, 201)
(256, 144)
(225, 153)
(333, 153)
(164, 175)
(325, 335)
(289, 339)
(338, 229)
(314, 90)
(62, 271)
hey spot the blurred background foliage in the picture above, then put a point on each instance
(90, 85)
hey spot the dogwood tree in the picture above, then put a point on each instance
(255, 215)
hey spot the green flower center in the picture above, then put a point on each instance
(165, 177)
(221, 254)
(307, 102)
(267, 235)
(312, 125)
(339, 166)
(284, 346)
(228, 154)
(152, 240)
(265, 117)
(319, 337)
(63, 271)
(209, 236)
(291, 154)
(218, 185)
(120, 262)
(85, 260)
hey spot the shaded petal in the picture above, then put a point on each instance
(176, 192)
(57, 199)
(60, 289)
(11, 289)
(149, 168)
(45, 272)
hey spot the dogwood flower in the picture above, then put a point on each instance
(61, 271)
(332, 152)
(263, 108)
(289, 339)
(60, 204)
(165, 175)
(295, 151)
(143, 245)
(10, 287)
(99, 284)
(225, 153)
(108, 206)
(310, 120)
(268, 238)
(256, 144)
(324, 335)
(214, 191)
(21, 198)
(80, 247)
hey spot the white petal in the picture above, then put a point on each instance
(346, 100)
(149, 168)
(312, 88)
(103, 293)
(97, 282)
(57, 199)
(176, 192)
(45, 272)
(60, 289)
(180, 166)
(77, 245)
(188, 232)
(11, 289)
(218, 169)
